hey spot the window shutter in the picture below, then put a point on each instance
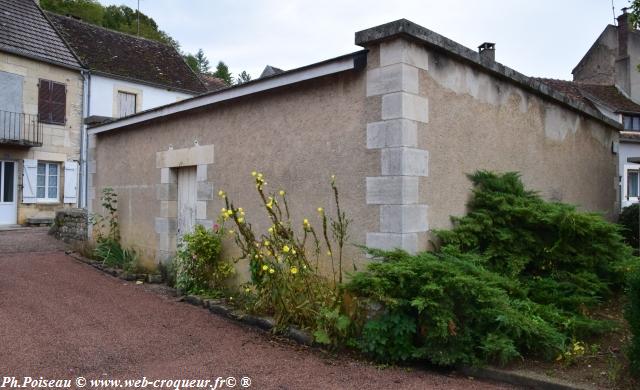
(29, 180)
(58, 103)
(70, 182)
(44, 100)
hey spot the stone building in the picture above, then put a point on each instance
(400, 123)
(41, 109)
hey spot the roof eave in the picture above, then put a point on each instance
(340, 64)
(11, 50)
(415, 32)
(149, 83)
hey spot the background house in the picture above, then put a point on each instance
(41, 111)
(607, 78)
(399, 123)
(126, 74)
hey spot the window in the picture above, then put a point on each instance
(47, 184)
(126, 103)
(631, 123)
(7, 174)
(52, 102)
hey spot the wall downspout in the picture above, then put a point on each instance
(86, 110)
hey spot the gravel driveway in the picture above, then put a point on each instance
(60, 319)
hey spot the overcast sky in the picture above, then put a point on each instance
(536, 37)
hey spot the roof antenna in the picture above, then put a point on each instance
(139, 16)
(613, 10)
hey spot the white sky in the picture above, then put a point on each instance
(536, 37)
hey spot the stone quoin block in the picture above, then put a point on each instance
(389, 241)
(405, 105)
(167, 191)
(201, 172)
(169, 208)
(392, 190)
(403, 218)
(402, 51)
(168, 175)
(395, 132)
(205, 191)
(404, 161)
(201, 209)
(166, 225)
(392, 78)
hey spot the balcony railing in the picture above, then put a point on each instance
(20, 129)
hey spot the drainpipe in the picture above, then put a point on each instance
(86, 110)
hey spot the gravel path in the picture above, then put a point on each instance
(60, 319)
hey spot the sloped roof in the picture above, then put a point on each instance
(25, 31)
(139, 59)
(270, 71)
(607, 95)
(212, 83)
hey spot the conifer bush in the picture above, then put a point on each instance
(633, 317)
(516, 276)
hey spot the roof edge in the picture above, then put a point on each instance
(356, 60)
(147, 83)
(18, 52)
(413, 31)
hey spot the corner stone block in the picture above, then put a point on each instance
(167, 191)
(402, 51)
(169, 208)
(404, 162)
(405, 105)
(201, 172)
(395, 132)
(392, 78)
(167, 242)
(392, 190)
(166, 225)
(205, 191)
(390, 241)
(168, 175)
(201, 209)
(403, 218)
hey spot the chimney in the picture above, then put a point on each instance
(487, 52)
(624, 26)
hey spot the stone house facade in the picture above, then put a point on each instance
(41, 108)
(400, 123)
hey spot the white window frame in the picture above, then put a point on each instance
(46, 198)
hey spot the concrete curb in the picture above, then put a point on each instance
(215, 306)
(524, 379)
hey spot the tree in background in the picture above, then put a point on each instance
(243, 77)
(222, 72)
(119, 18)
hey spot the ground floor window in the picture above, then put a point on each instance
(48, 182)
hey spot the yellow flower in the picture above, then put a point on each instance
(247, 289)
(254, 173)
(294, 270)
(223, 210)
(255, 257)
(229, 212)
(240, 220)
(305, 222)
(271, 270)
(281, 193)
(293, 251)
(320, 210)
(221, 194)
(240, 209)
(231, 231)
(270, 230)
(266, 243)
(333, 177)
(328, 253)
(265, 267)
(259, 175)
(285, 249)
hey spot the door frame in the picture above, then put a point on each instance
(15, 189)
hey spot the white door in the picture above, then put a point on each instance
(126, 103)
(8, 193)
(186, 200)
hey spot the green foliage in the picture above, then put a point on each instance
(632, 315)
(515, 276)
(198, 264)
(628, 219)
(198, 62)
(119, 18)
(243, 77)
(285, 278)
(222, 72)
(109, 202)
(113, 255)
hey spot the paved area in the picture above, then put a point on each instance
(60, 319)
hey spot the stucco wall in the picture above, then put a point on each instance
(60, 143)
(104, 90)
(477, 121)
(598, 64)
(296, 136)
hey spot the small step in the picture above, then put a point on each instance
(39, 221)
